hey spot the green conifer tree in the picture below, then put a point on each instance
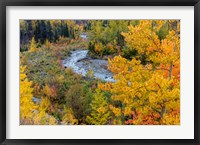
(100, 114)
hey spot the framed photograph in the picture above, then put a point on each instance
(99, 72)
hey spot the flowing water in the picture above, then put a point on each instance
(81, 63)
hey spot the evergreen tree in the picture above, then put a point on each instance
(100, 114)
(49, 31)
(33, 46)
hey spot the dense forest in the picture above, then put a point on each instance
(99, 72)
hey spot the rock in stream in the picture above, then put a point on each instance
(81, 64)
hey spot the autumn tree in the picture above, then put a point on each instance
(160, 53)
(31, 113)
(148, 92)
(27, 106)
(68, 117)
(41, 116)
(106, 38)
(33, 46)
(100, 114)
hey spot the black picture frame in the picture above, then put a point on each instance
(5, 3)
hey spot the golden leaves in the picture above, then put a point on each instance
(100, 114)
(152, 90)
(116, 111)
(69, 117)
(30, 113)
(27, 106)
(50, 91)
(33, 46)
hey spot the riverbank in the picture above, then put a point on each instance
(81, 63)
(58, 91)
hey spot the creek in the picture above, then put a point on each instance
(81, 63)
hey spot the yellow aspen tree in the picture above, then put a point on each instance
(30, 113)
(164, 54)
(68, 117)
(33, 46)
(146, 93)
(47, 44)
(41, 117)
(27, 106)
